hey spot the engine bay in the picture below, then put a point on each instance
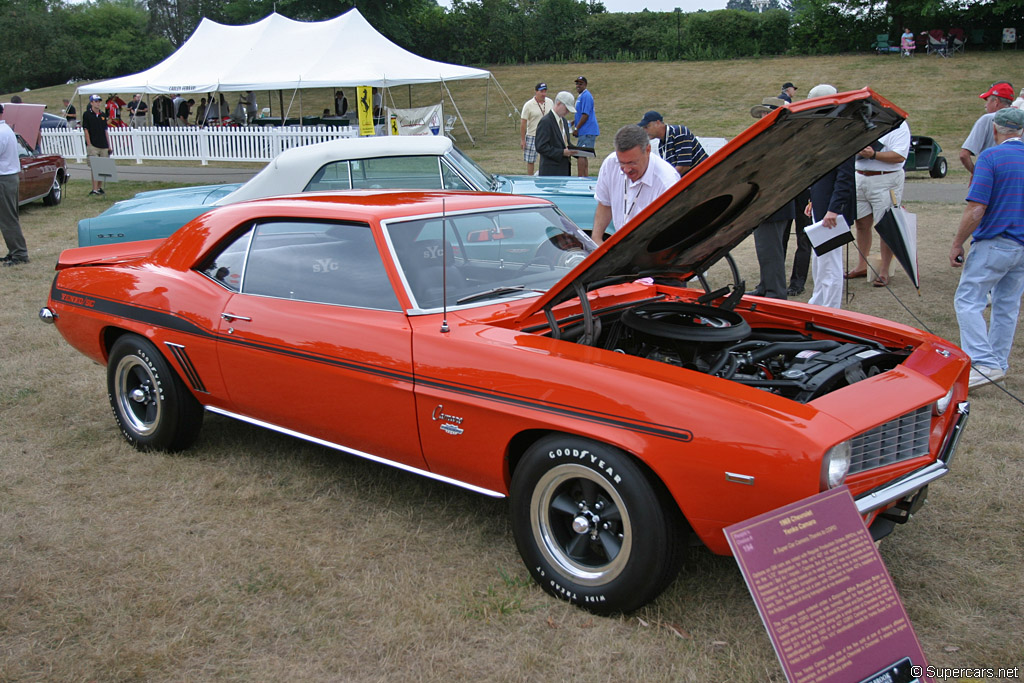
(720, 342)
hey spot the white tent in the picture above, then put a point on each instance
(278, 53)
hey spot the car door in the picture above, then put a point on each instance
(36, 173)
(314, 339)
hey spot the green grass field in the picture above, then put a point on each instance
(256, 557)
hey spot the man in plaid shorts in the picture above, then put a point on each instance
(533, 111)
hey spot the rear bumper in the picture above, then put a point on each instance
(918, 479)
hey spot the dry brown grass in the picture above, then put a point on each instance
(258, 557)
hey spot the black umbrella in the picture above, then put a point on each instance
(898, 229)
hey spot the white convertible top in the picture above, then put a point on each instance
(291, 170)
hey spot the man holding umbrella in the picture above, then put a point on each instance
(994, 216)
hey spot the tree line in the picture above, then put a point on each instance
(47, 42)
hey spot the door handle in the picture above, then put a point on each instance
(231, 317)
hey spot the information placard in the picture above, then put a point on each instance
(824, 594)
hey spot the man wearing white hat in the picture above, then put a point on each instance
(553, 137)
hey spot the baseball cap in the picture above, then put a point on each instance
(649, 117)
(566, 99)
(541, 86)
(1010, 117)
(787, 84)
(580, 78)
(1004, 90)
(95, 98)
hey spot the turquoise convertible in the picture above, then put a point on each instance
(415, 163)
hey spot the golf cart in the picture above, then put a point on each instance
(925, 156)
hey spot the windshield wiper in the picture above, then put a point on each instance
(497, 291)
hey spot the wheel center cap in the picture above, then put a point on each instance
(581, 525)
(138, 395)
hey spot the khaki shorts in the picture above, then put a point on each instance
(98, 152)
(873, 196)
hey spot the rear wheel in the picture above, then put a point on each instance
(55, 194)
(151, 405)
(939, 168)
(590, 526)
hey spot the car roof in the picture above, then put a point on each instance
(186, 245)
(291, 170)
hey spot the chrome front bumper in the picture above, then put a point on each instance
(918, 479)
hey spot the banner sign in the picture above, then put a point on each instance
(364, 105)
(417, 121)
(824, 594)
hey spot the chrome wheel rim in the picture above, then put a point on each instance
(136, 393)
(581, 525)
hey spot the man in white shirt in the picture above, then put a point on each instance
(879, 180)
(533, 111)
(10, 168)
(629, 180)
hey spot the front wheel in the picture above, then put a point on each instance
(55, 194)
(939, 168)
(151, 405)
(590, 526)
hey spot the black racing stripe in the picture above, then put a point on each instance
(166, 320)
(654, 429)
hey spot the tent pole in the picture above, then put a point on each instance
(487, 99)
(280, 102)
(458, 113)
(410, 96)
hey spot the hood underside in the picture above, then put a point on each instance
(715, 207)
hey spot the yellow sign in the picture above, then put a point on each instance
(394, 125)
(364, 104)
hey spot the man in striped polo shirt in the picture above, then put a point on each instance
(676, 144)
(994, 217)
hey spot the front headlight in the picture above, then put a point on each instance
(835, 465)
(943, 403)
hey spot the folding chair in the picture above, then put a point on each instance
(881, 44)
(957, 40)
(937, 43)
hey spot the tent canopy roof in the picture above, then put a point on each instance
(278, 53)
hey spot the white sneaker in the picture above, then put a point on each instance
(982, 375)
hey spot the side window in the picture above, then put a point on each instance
(332, 176)
(320, 262)
(225, 266)
(407, 173)
(452, 180)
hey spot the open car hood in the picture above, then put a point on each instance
(713, 208)
(24, 119)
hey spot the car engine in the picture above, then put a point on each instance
(720, 342)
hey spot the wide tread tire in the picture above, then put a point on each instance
(151, 405)
(591, 527)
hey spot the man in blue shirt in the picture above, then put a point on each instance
(676, 144)
(584, 124)
(994, 216)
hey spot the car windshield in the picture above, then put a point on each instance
(483, 256)
(480, 177)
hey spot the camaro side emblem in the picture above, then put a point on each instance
(449, 423)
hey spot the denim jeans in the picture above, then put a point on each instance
(997, 266)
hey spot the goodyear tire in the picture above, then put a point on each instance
(152, 407)
(590, 526)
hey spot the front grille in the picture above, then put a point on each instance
(901, 439)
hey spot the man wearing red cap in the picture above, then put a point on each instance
(999, 96)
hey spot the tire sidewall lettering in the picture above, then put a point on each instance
(586, 457)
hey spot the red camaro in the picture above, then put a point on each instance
(471, 338)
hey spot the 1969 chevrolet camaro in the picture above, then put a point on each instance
(468, 337)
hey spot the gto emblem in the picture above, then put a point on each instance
(450, 423)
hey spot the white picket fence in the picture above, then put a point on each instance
(252, 143)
